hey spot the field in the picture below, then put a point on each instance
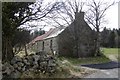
(110, 50)
(111, 53)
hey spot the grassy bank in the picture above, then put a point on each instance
(110, 50)
(90, 60)
(111, 53)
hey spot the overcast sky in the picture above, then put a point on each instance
(111, 16)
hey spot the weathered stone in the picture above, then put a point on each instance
(11, 68)
(16, 59)
(15, 65)
(36, 58)
(42, 63)
(15, 74)
(19, 69)
(51, 63)
(7, 71)
(7, 68)
(24, 68)
(30, 59)
(26, 61)
(41, 53)
(20, 64)
(38, 53)
(35, 66)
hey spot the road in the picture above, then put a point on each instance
(104, 70)
(111, 73)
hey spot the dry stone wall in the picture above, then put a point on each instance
(40, 61)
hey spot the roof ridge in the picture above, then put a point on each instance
(51, 30)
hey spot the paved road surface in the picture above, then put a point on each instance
(111, 73)
(104, 70)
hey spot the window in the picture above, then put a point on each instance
(43, 45)
(50, 43)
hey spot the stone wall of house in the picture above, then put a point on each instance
(37, 46)
(55, 44)
(65, 42)
(87, 45)
(85, 35)
(48, 45)
(40, 46)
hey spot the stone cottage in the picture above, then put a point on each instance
(76, 40)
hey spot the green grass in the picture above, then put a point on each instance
(90, 60)
(110, 50)
(94, 60)
(111, 53)
(108, 55)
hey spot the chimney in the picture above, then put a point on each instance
(79, 16)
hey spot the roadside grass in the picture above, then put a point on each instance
(112, 53)
(89, 60)
(108, 55)
(72, 70)
(110, 50)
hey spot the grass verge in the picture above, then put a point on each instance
(89, 60)
(112, 53)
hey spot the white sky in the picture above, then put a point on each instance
(111, 16)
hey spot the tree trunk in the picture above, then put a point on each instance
(26, 50)
(7, 50)
(97, 44)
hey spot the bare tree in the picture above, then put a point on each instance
(95, 16)
(13, 17)
(67, 15)
(39, 10)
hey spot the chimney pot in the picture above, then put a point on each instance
(80, 15)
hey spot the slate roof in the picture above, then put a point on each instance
(53, 32)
